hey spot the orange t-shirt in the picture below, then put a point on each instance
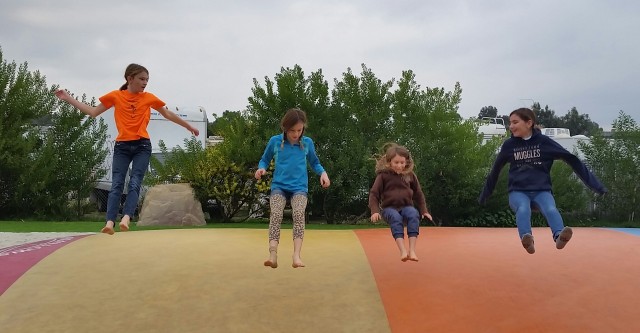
(132, 112)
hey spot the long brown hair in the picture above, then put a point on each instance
(391, 150)
(131, 71)
(290, 119)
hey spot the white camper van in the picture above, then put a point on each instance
(491, 127)
(564, 138)
(159, 128)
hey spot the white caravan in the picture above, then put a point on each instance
(564, 138)
(159, 128)
(491, 127)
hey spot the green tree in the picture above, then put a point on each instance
(289, 89)
(579, 123)
(617, 163)
(220, 123)
(546, 117)
(488, 111)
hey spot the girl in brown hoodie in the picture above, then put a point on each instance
(394, 195)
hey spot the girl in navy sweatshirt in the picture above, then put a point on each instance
(531, 155)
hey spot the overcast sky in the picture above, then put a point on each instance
(206, 53)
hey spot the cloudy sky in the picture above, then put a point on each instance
(207, 53)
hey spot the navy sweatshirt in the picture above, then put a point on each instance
(530, 165)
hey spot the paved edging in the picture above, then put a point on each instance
(8, 239)
(16, 260)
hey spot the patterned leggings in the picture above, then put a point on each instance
(298, 206)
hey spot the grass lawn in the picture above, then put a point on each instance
(90, 226)
(95, 226)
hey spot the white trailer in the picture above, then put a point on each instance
(159, 128)
(565, 139)
(491, 127)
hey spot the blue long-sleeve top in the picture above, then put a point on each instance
(290, 173)
(530, 165)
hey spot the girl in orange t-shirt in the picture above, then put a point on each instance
(132, 112)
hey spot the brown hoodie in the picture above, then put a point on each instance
(392, 190)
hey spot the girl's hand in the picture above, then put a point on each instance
(259, 173)
(428, 216)
(63, 95)
(324, 180)
(375, 217)
(194, 130)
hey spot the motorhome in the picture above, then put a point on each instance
(492, 127)
(565, 139)
(159, 129)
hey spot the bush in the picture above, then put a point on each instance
(220, 185)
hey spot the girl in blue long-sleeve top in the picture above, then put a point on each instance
(531, 155)
(291, 152)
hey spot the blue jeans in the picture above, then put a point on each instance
(395, 218)
(521, 203)
(137, 153)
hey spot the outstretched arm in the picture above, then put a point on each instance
(580, 169)
(91, 111)
(492, 178)
(168, 114)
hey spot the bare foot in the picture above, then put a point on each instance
(273, 258)
(413, 257)
(124, 223)
(404, 257)
(271, 263)
(108, 228)
(297, 262)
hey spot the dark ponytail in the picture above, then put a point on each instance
(132, 70)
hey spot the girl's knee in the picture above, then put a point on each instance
(549, 209)
(298, 210)
(277, 202)
(134, 186)
(410, 212)
(521, 208)
(393, 219)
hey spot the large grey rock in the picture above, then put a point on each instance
(171, 204)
